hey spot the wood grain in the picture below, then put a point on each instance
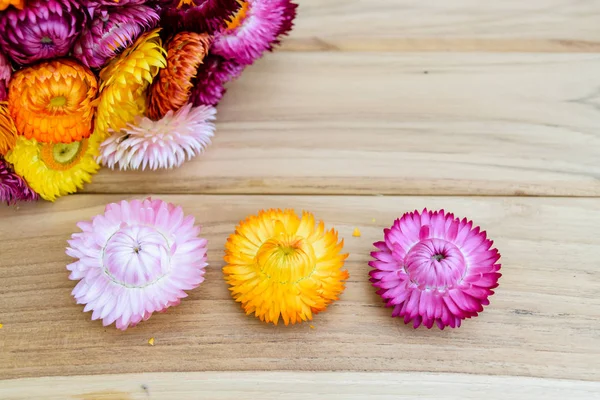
(427, 124)
(296, 386)
(448, 25)
(543, 322)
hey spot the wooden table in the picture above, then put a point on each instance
(371, 108)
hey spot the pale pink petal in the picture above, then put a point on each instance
(136, 270)
(163, 144)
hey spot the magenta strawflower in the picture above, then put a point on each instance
(44, 29)
(5, 74)
(12, 187)
(112, 30)
(100, 3)
(255, 29)
(435, 268)
(163, 144)
(200, 16)
(93, 5)
(137, 258)
(213, 74)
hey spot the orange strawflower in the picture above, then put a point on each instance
(8, 131)
(171, 90)
(4, 4)
(52, 101)
(280, 265)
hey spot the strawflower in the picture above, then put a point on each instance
(211, 77)
(112, 30)
(161, 144)
(12, 187)
(8, 130)
(55, 169)
(433, 268)
(137, 258)
(124, 82)
(200, 16)
(283, 266)
(5, 74)
(53, 101)
(171, 89)
(256, 27)
(42, 30)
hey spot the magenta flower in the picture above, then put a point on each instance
(213, 74)
(43, 29)
(93, 5)
(5, 74)
(137, 258)
(255, 29)
(12, 187)
(112, 30)
(163, 144)
(434, 268)
(200, 16)
(99, 3)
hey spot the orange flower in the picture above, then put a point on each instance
(53, 101)
(171, 91)
(8, 131)
(4, 4)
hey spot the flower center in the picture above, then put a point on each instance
(62, 156)
(286, 259)
(137, 256)
(239, 16)
(47, 40)
(435, 264)
(58, 101)
(438, 257)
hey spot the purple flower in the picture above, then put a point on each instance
(200, 16)
(12, 187)
(43, 29)
(111, 30)
(213, 74)
(92, 5)
(5, 74)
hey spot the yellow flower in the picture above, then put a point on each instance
(8, 130)
(124, 81)
(55, 169)
(279, 265)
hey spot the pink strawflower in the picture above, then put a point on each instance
(5, 74)
(13, 188)
(255, 29)
(112, 30)
(137, 258)
(166, 143)
(213, 74)
(44, 29)
(434, 268)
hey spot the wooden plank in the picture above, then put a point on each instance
(456, 25)
(296, 386)
(544, 320)
(428, 124)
